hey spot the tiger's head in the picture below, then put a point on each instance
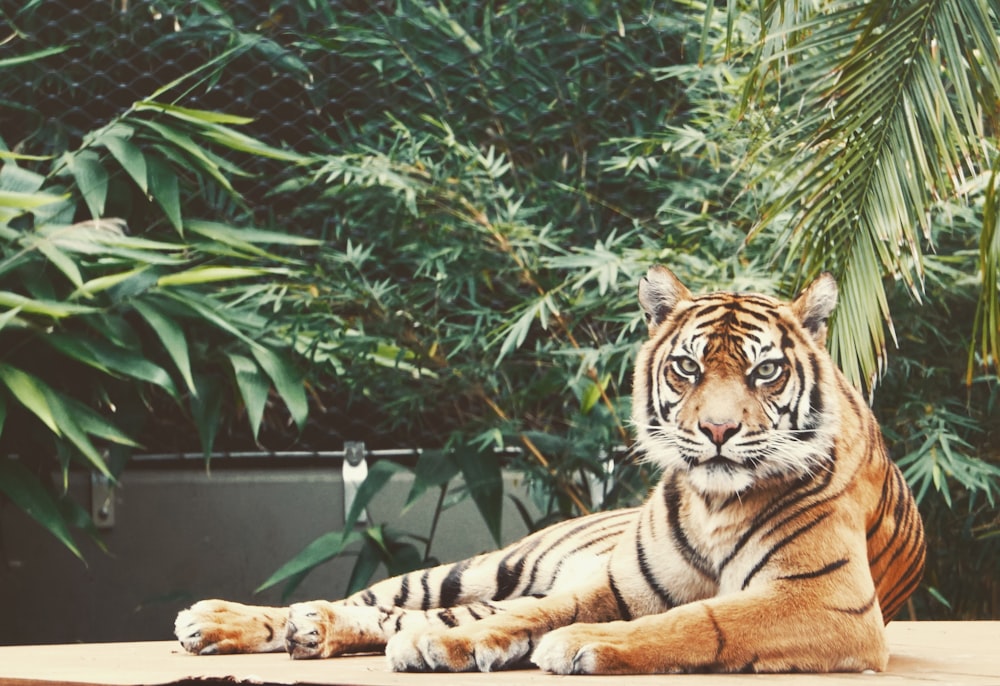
(734, 389)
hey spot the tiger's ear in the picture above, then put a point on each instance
(659, 293)
(815, 304)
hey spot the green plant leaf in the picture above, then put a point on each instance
(110, 281)
(378, 475)
(206, 409)
(18, 484)
(402, 556)
(20, 180)
(18, 201)
(91, 179)
(197, 155)
(433, 468)
(56, 309)
(484, 480)
(113, 359)
(61, 260)
(245, 237)
(207, 310)
(8, 316)
(253, 388)
(164, 188)
(127, 153)
(287, 381)
(68, 417)
(97, 426)
(200, 275)
(171, 334)
(369, 558)
(324, 548)
(30, 393)
(235, 140)
(191, 115)
(32, 56)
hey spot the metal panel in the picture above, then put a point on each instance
(179, 535)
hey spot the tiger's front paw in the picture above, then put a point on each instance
(580, 649)
(305, 633)
(560, 654)
(457, 650)
(319, 629)
(212, 627)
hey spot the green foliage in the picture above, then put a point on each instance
(466, 195)
(879, 115)
(104, 316)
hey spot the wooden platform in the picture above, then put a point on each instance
(922, 652)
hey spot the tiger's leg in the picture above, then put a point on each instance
(311, 629)
(319, 629)
(503, 640)
(459, 593)
(322, 629)
(740, 632)
(532, 566)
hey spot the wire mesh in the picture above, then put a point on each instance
(543, 83)
(314, 74)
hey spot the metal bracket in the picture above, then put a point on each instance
(354, 471)
(598, 486)
(102, 501)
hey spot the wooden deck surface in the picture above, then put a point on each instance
(922, 653)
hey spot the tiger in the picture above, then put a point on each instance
(780, 536)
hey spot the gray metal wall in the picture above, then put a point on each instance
(180, 535)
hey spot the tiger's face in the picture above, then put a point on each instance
(729, 388)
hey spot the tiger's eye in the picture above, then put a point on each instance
(686, 366)
(767, 371)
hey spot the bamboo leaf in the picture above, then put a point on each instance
(165, 190)
(434, 468)
(8, 316)
(206, 409)
(202, 275)
(128, 155)
(32, 56)
(484, 480)
(18, 484)
(171, 334)
(61, 260)
(287, 381)
(369, 558)
(113, 359)
(29, 391)
(16, 200)
(92, 180)
(324, 548)
(67, 417)
(188, 114)
(253, 389)
(247, 237)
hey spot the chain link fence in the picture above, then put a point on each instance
(545, 84)
(317, 76)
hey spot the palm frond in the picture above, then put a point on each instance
(884, 112)
(987, 324)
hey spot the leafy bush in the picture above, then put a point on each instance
(474, 191)
(101, 323)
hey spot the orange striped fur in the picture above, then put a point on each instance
(779, 538)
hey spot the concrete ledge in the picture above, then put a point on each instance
(924, 652)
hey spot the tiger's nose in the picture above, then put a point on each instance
(719, 433)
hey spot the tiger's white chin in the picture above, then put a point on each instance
(712, 480)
